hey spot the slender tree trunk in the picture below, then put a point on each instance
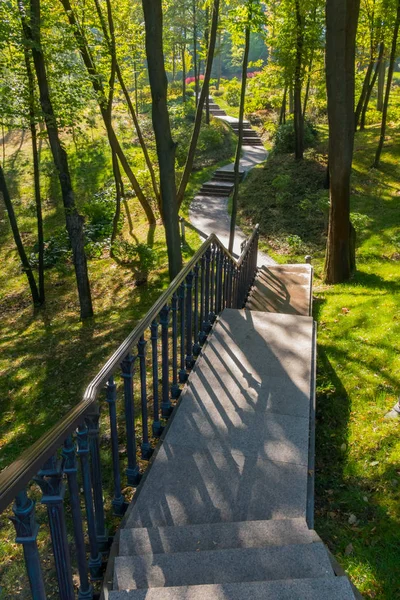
(18, 241)
(199, 112)
(282, 114)
(36, 173)
(183, 55)
(341, 27)
(196, 78)
(119, 192)
(388, 88)
(166, 148)
(381, 85)
(103, 104)
(240, 140)
(74, 221)
(298, 111)
(371, 86)
(364, 91)
(308, 85)
(206, 41)
(136, 88)
(3, 143)
(219, 54)
(173, 63)
(291, 99)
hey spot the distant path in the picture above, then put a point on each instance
(209, 214)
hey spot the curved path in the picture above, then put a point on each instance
(209, 214)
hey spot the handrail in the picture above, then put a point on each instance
(248, 244)
(19, 473)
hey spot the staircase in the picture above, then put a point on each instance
(250, 137)
(221, 184)
(225, 511)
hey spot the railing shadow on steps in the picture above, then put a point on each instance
(72, 454)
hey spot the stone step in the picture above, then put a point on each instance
(216, 536)
(218, 184)
(336, 588)
(225, 175)
(213, 193)
(252, 142)
(283, 289)
(222, 566)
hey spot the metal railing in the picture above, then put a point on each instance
(72, 453)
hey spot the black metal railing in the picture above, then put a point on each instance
(83, 453)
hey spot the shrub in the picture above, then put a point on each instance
(232, 93)
(218, 93)
(284, 140)
(140, 257)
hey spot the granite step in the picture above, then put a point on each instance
(335, 588)
(216, 536)
(237, 565)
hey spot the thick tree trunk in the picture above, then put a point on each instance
(341, 27)
(371, 86)
(95, 79)
(240, 140)
(298, 111)
(381, 85)
(291, 99)
(18, 241)
(36, 172)
(74, 221)
(388, 88)
(199, 112)
(162, 129)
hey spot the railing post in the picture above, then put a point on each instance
(189, 321)
(156, 427)
(166, 402)
(118, 502)
(50, 482)
(175, 389)
(182, 370)
(95, 562)
(70, 468)
(211, 315)
(145, 446)
(206, 322)
(202, 334)
(92, 423)
(26, 528)
(218, 281)
(196, 345)
(132, 471)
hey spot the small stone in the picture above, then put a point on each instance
(365, 498)
(343, 447)
(352, 519)
(349, 549)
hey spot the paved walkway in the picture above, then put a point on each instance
(209, 214)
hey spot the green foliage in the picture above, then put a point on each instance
(232, 93)
(284, 140)
(140, 257)
(100, 212)
(57, 250)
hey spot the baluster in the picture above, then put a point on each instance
(132, 471)
(92, 423)
(118, 502)
(26, 528)
(218, 282)
(156, 427)
(95, 563)
(202, 335)
(182, 370)
(196, 345)
(224, 279)
(145, 446)
(175, 389)
(211, 316)
(189, 321)
(206, 323)
(166, 402)
(229, 283)
(70, 468)
(50, 482)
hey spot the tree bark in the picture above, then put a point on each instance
(196, 78)
(381, 85)
(364, 92)
(199, 112)
(388, 88)
(95, 79)
(183, 58)
(341, 27)
(298, 111)
(166, 148)
(74, 220)
(371, 86)
(282, 114)
(240, 140)
(18, 241)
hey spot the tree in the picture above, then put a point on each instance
(166, 147)
(341, 27)
(74, 221)
(298, 109)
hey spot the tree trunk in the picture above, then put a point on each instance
(291, 99)
(364, 92)
(196, 78)
(388, 88)
(371, 86)
(240, 140)
(219, 54)
(95, 79)
(381, 85)
(119, 192)
(18, 241)
(307, 92)
(183, 50)
(206, 42)
(282, 114)
(166, 148)
(199, 112)
(341, 27)
(298, 111)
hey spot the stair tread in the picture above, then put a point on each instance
(336, 588)
(222, 566)
(215, 536)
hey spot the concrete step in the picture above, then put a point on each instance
(218, 184)
(283, 289)
(252, 142)
(337, 588)
(222, 566)
(213, 193)
(216, 536)
(227, 175)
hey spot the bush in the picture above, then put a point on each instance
(218, 93)
(57, 250)
(100, 212)
(232, 93)
(139, 256)
(284, 140)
